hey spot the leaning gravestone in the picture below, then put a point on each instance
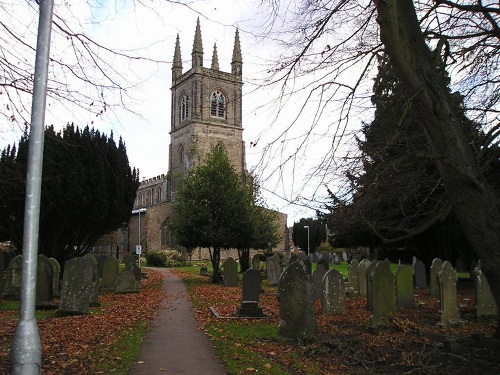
(110, 272)
(12, 284)
(252, 280)
(352, 274)
(384, 298)
(404, 286)
(485, 302)
(256, 262)
(433, 276)
(318, 275)
(273, 269)
(127, 282)
(447, 279)
(76, 286)
(94, 293)
(230, 272)
(44, 283)
(362, 276)
(295, 303)
(420, 275)
(56, 273)
(333, 293)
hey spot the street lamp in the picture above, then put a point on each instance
(307, 226)
(138, 248)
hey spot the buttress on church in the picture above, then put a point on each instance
(206, 109)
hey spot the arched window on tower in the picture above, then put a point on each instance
(184, 107)
(218, 104)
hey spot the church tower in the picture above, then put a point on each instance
(206, 110)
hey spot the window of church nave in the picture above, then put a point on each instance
(184, 107)
(218, 105)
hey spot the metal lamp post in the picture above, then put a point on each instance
(307, 226)
(138, 247)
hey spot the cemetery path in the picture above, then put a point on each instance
(174, 344)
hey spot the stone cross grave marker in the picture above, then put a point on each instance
(447, 279)
(352, 275)
(230, 272)
(273, 269)
(420, 275)
(433, 276)
(384, 296)
(333, 293)
(404, 286)
(76, 286)
(295, 302)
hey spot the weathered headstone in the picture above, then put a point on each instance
(76, 286)
(44, 283)
(447, 279)
(369, 285)
(433, 276)
(324, 262)
(110, 272)
(333, 293)
(56, 274)
(127, 282)
(12, 284)
(94, 293)
(318, 275)
(230, 272)
(256, 262)
(362, 276)
(420, 275)
(404, 286)
(384, 298)
(100, 264)
(129, 259)
(344, 256)
(296, 308)
(485, 302)
(352, 275)
(273, 269)
(252, 280)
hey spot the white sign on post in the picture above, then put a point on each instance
(138, 249)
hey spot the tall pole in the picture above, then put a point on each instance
(26, 351)
(307, 226)
(139, 229)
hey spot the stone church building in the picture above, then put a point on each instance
(206, 110)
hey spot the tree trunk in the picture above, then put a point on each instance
(215, 258)
(472, 197)
(244, 255)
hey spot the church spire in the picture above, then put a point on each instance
(177, 65)
(215, 58)
(197, 54)
(237, 62)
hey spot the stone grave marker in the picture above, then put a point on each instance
(94, 293)
(384, 297)
(362, 276)
(433, 276)
(295, 302)
(127, 282)
(273, 269)
(76, 286)
(12, 283)
(256, 262)
(485, 302)
(2, 277)
(56, 274)
(324, 262)
(230, 272)
(344, 256)
(318, 275)
(100, 264)
(352, 275)
(293, 258)
(333, 293)
(420, 275)
(447, 279)
(44, 283)
(404, 286)
(110, 272)
(369, 285)
(252, 280)
(129, 259)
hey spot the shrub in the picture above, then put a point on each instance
(165, 258)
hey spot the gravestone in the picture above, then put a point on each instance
(485, 302)
(293, 258)
(324, 262)
(252, 280)
(344, 256)
(384, 298)
(447, 279)
(362, 276)
(110, 272)
(94, 293)
(420, 275)
(318, 275)
(369, 285)
(256, 262)
(273, 269)
(100, 264)
(404, 286)
(44, 283)
(230, 272)
(333, 293)
(129, 259)
(76, 286)
(127, 282)
(12, 283)
(2, 277)
(295, 303)
(433, 278)
(56, 274)
(352, 275)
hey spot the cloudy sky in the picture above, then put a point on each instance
(150, 31)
